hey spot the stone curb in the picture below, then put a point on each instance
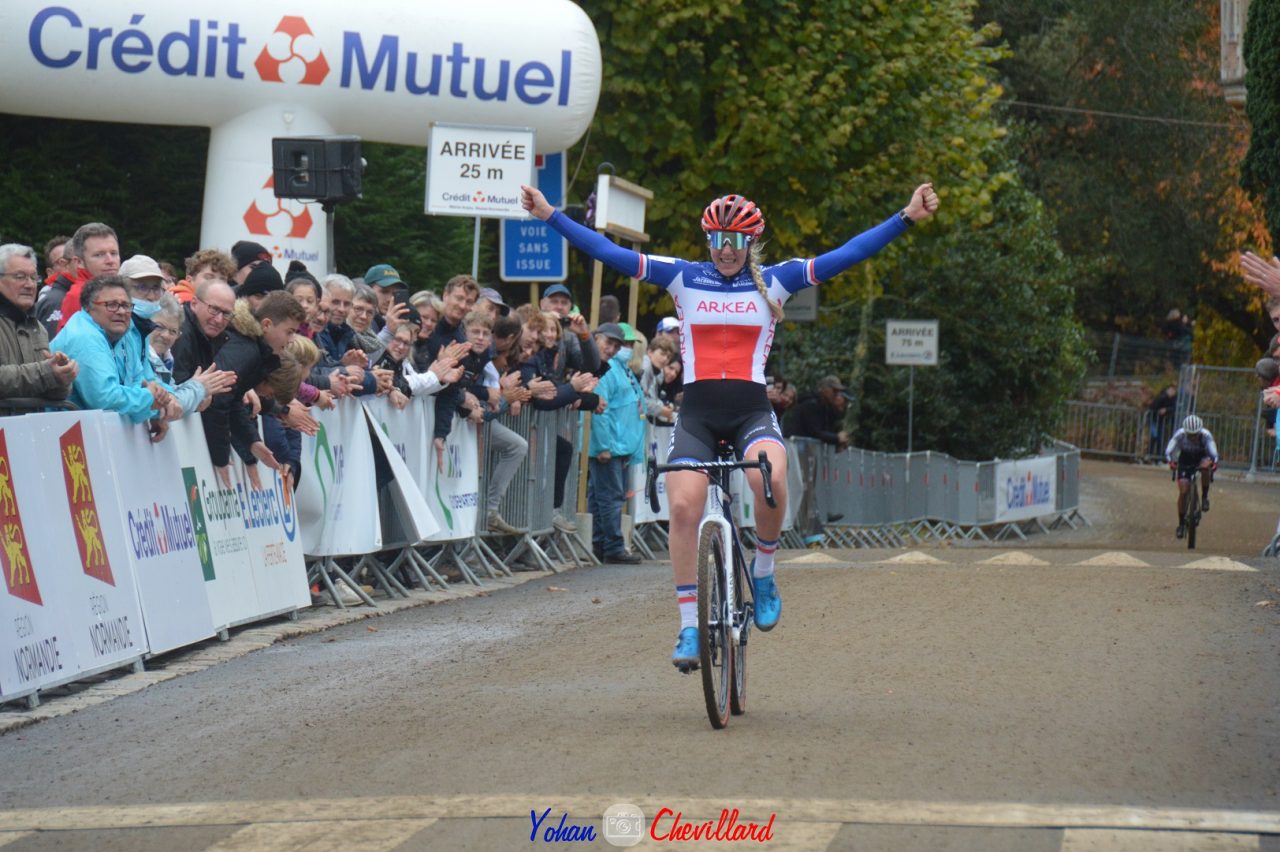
(244, 641)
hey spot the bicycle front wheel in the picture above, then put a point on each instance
(742, 615)
(714, 626)
(1193, 513)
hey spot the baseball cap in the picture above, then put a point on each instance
(246, 252)
(383, 275)
(629, 332)
(668, 324)
(140, 266)
(834, 383)
(612, 329)
(557, 290)
(494, 296)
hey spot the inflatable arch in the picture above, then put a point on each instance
(380, 69)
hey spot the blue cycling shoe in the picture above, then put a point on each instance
(686, 656)
(768, 605)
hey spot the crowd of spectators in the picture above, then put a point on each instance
(234, 339)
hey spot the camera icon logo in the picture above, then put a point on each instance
(623, 824)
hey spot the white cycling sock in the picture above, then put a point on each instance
(687, 597)
(765, 550)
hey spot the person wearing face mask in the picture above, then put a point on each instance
(730, 305)
(146, 291)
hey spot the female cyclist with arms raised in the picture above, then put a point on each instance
(728, 308)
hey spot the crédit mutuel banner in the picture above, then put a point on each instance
(1026, 488)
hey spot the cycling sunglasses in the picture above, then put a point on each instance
(736, 239)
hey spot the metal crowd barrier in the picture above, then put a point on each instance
(860, 498)
(528, 502)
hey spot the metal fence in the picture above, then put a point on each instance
(1227, 399)
(860, 498)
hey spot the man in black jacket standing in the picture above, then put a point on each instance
(818, 415)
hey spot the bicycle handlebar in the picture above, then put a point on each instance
(761, 463)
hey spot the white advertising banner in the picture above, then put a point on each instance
(337, 500)
(640, 509)
(222, 546)
(453, 490)
(1026, 488)
(477, 171)
(56, 620)
(396, 429)
(152, 508)
(270, 518)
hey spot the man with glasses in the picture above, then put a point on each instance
(96, 251)
(26, 367)
(112, 377)
(204, 328)
(146, 287)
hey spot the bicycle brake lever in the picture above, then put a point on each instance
(766, 479)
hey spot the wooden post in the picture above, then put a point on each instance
(633, 298)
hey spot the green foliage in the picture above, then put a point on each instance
(827, 114)
(1010, 352)
(1261, 173)
(146, 182)
(1152, 210)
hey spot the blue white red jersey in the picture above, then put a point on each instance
(726, 327)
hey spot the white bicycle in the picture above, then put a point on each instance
(725, 608)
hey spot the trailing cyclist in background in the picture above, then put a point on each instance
(1192, 448)
(727, 308)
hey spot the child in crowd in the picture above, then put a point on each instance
(307, 292)
(307, 354)
(255, 339)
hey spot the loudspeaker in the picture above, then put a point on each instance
(320, 168)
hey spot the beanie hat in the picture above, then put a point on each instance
(298, 269)
(246, 252)
(262, 280)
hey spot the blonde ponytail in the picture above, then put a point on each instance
(754, 257)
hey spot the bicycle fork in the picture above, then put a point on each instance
(715, 515)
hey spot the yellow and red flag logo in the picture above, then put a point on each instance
(18, 577)
(84, 511)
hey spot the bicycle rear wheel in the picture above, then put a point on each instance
(742, 617)
(713, 626)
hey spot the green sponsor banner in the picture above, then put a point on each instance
(197, 519)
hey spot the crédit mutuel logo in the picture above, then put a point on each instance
(624, 824)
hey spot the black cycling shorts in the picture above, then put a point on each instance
(716, 410)
(1188, 462)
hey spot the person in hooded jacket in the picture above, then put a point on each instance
(254, 340)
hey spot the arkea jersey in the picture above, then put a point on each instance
(726, 327)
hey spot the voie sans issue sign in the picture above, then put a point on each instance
(477, 171)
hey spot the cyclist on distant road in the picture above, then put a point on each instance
(727, 308)
(1191, 448)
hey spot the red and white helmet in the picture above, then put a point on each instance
(733, 213)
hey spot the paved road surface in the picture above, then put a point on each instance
(1053, 695)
